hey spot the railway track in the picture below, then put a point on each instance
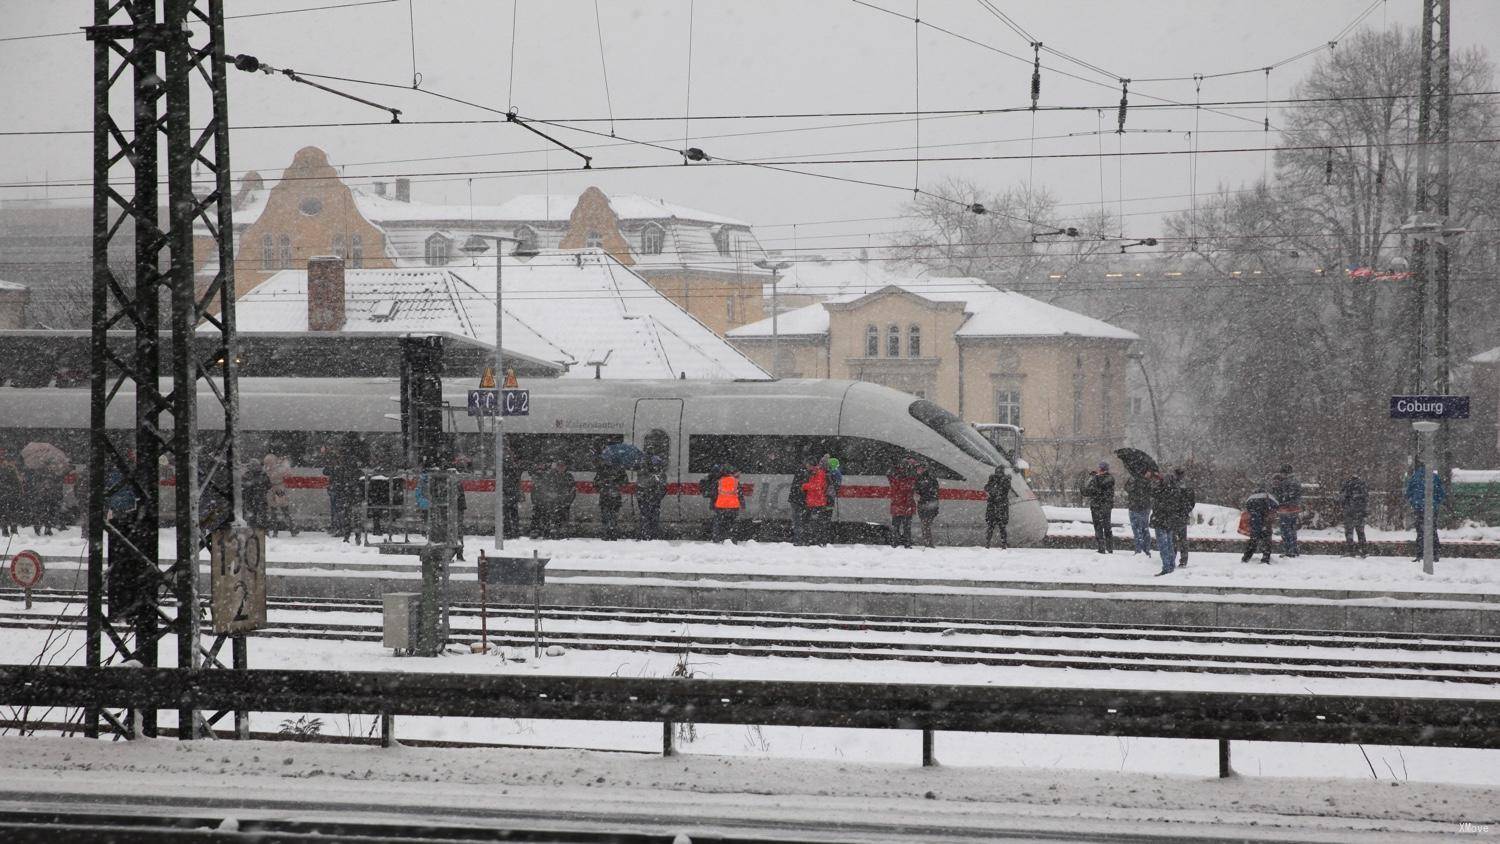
(1078, 648)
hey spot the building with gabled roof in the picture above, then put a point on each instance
(703, 261)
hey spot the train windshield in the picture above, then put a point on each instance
(955, 431)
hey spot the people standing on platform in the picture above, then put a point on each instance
(1260, 506)
(344, 466)
(609, 482)
(44, 497)
(1099, 494)
(511, 487)
(796, 497)
(819, 506)
(1138, 502)
(709, 489)
(903, 481)
(255, 495)
(541, 504)
(727, 503)
(928, 493)
(1416, 494)
(650, 491)
(1165, 512)
(12, 496)
(560, 493)
(1288, 490)
(1186, 499)
(278, 500)
(1354, 507)
(835, 479)
(997, 490)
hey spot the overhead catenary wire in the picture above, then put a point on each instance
(510, 76)
(411, 18)
(604, 68)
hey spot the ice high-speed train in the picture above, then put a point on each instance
(762, 428)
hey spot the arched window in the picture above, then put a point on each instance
(914, 341)
(872, 341)
(593, 240)
(653, 239)
(356, 251)
(893, 341)
(721, 240)
(267, 253)
(1078, 395)
(285, 256)
(439, 250)
(525, 239)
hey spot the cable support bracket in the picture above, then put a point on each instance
(512, 117)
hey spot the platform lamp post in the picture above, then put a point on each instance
(1140, 360)
(775, 308)
(1425, 430)
(478, 244)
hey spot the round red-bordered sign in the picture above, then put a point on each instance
(26, 569)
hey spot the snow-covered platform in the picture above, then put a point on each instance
(1066, 585)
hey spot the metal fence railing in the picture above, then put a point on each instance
(1225, 716)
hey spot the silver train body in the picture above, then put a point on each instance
(760, 427)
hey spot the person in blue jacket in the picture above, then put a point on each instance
(1416, 496)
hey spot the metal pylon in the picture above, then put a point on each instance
(1429, 258)
(147, 67)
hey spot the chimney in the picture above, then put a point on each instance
(403, 190)
(325, 294)
(380, 188)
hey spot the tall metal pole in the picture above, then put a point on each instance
(775, 328)
(1425, 430)
(499, 406)
(1430, 257)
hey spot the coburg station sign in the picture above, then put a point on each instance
(1429, 407)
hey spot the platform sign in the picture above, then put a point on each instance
(1429, 407)
(26, 569)
(239, 579)
(508, 402)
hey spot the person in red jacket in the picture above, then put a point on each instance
(819, 505)
(727, 502)
(903, 481)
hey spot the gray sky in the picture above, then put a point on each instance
(765, 56)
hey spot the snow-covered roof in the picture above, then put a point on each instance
(805, 321)
(11, 285)
(1476, 476)
(565, 306)
(991, 312)
(1492, 356)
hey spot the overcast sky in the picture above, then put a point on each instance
(760, 57)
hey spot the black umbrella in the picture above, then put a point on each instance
(1136, 462)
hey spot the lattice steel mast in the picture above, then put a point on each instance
(159, 383)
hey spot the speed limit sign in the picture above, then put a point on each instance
(26, 569)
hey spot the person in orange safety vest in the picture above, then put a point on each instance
(727, 503)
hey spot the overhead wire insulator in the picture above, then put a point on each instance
(1036, 74)
(1124, 104)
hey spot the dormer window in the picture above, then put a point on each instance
(722, 240)
(439, 250)
(653, 239)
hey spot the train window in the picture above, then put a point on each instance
(955, 431)
(579, 452)
(759, 454)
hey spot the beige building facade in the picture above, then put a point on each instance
(989, 355)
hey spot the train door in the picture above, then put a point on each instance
(657, 431)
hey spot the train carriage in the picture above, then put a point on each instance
(762, 428)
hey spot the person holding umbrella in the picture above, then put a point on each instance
(45, 465)
(1144, 475)
(1099, 492)
(609, 482)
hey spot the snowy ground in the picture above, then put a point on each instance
(808, 799)
(1211, 521)
(323, 555)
